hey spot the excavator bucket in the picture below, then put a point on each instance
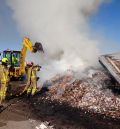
(38, 47)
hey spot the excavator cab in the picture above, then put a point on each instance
(13, 57)
(13, 62)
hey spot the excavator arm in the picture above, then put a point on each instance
(28, 45)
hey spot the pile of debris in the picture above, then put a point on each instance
(90, 93)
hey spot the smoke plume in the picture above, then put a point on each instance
(63, 28)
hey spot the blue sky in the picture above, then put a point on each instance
(108, 18)
(9, 35)
(106, 22)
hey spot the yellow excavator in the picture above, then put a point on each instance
(17, 64)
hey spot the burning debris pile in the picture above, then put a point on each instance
(85, 103)
(90, 94)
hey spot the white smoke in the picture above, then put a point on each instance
(62, 27)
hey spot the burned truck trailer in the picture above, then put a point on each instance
(111, 62)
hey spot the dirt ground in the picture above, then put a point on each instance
(16, 116)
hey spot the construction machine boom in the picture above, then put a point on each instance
(27, 44)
